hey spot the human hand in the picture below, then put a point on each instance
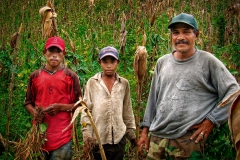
(53, 109)
(133, 142)
(143, 144)
(90, 144)
(203, 130)
(38, 114)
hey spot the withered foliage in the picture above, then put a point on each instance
(234, 119)
(48, 16)
(15, 38)
(234, 124)
(31, 147)
(123, 33)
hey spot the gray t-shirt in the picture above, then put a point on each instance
(185, 92)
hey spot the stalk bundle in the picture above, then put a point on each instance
(30, 148)
(140, 67)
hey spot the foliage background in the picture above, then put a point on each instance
(93, 27)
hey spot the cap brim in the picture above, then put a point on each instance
(171, 25)
(54, 45)
(109, 54)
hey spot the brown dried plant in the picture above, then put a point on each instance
(15, 38)
(153, 18)
(234, 119)
(91, 2)
(140, 68)
(123, 33)
(31, 147)
(82, 107)
(72, 44)
(48, 16)
(236, 8)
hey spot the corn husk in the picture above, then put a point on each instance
(140, 63)
(229, 98)
(234, 124)
(48, 16)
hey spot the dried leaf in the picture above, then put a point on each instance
(144, 40)
(153, 19)
(76, 113)
(43, 10)
(73, 46)
(91, 2)
(47, 25)
(230, 98)
(140, 63)
(234, 124)
(15, 38)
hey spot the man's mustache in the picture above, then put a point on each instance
(181, 42)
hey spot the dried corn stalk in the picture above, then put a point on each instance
(140, 67)
(72, 44)
(123, 34)
(234, 120)
(15, 38)
(140, 62)
(153, 18)
(85, 109)
(14, 44)
(48, 16)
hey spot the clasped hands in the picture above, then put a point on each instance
(39, 112)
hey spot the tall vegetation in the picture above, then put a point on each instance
(92, 25)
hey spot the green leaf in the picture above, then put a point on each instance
(43, 127)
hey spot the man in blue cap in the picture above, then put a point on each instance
(187, 84)
(107, 96)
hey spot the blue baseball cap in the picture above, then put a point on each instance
(108, 51)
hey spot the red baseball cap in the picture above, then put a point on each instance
(55, 41)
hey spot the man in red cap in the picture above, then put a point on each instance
(54, 89)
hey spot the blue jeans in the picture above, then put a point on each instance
(63, 153)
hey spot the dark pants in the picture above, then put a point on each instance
(62, 153)
(112, 151)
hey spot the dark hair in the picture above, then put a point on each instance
(195, 30)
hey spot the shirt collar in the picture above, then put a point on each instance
(99, 77)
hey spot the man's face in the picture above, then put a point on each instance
(54, 56)
(183, 38)
(109, 65)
